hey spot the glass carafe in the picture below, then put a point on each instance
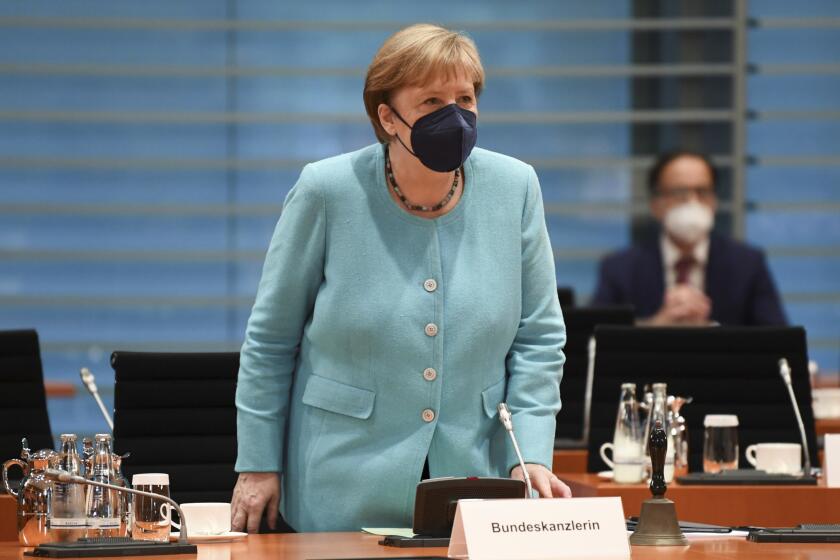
(67, 514)
(125, 497)
(659, 412)
(679, 433)
(102, 506)
(627, 445)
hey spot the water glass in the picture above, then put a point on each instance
(151, 517)
(720, 443)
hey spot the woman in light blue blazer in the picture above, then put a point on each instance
(408, 289)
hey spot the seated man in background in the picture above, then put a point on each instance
(689, 275)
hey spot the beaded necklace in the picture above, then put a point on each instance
(418, 207)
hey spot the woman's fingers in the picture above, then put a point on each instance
(541, 484)
(254, 509)
(559, 489)
(253, 491)
(543, 481)
(238, 516)
(273, 510)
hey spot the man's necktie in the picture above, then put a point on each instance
(683, 268)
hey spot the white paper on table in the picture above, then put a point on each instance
(389, 531)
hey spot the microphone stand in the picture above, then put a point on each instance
(507, 422)
(784, 371)
(67, 478)
(89, 382)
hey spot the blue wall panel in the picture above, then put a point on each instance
(788, 46)
(585, 185)
(793, 184)
(791, 229)
(112, 46)
(805, 275)
(130, 190)
(111, 324)
(113, 279)
(183, 9)
(436, 11)
(113, 186)
(66, 140)
(314, 90)
(112, 93)
(264, 186)
(813, 282)
(131, 233)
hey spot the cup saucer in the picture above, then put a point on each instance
(606, 475)
(230, 536)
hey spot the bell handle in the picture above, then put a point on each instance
(6, 465)
(658, 446)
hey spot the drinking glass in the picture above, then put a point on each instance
(720, 442)
(150, 516)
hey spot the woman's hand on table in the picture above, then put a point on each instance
(252, 494)
(543, 481)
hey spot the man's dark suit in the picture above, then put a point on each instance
(737, 281)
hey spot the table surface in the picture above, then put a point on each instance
(827, 426)
(763, 506)
(312, 546)
(574, 460)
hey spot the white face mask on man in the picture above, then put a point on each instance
(689, 222)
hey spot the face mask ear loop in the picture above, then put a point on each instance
(398, 136)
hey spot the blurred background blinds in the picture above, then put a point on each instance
(146, 147)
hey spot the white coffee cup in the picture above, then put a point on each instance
(775, 458)
(626, 464)
(826, 402)
(206, 518)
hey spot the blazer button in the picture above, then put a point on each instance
(428, 415)
(431, 329)
(429, 374)
(430, 285)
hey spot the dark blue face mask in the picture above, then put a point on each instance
(443, 139)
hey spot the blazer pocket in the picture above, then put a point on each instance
(492, 396)
(333, 396)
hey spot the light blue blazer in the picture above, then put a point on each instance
(379, 338)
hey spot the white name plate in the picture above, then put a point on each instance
(831, 450)
(539, 529)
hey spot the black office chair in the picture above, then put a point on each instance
(566, 295)
(571, 428)
(175, 413)
(728, 370)
(24, 410)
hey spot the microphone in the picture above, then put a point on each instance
(507, 422)
(89, 381)
(587, 400)
(67, 478)
(784, 371)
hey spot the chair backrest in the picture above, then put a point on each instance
(175, 413)
(566, 295)
(580, 325)
(24, 410)
(728, 370)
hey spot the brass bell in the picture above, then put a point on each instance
(658, 525)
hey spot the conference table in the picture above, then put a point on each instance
(759, 506)
(320, 546)
(763, 506)
(724, 505)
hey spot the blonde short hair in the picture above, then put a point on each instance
(416, 55)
